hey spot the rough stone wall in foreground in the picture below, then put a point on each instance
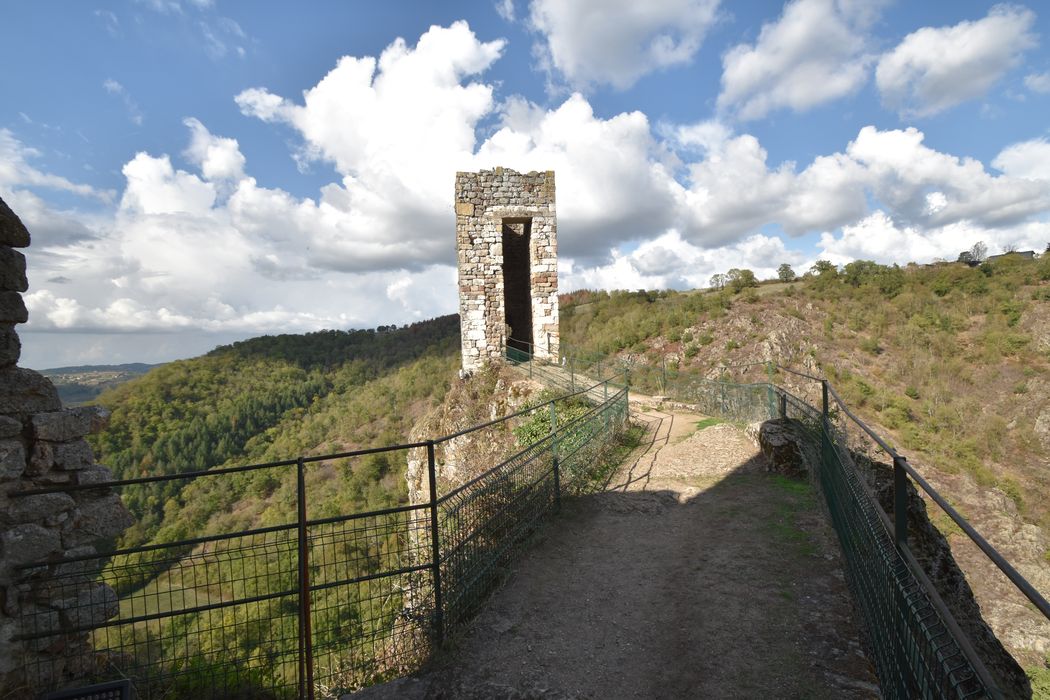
(42, 445)
(488, 204)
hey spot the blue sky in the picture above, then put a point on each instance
(197, 171)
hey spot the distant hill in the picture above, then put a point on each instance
(136, 367)
(83, 383)
(264, 399)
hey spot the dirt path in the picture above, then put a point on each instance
(697, 575)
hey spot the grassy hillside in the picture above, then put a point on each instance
(269, 398)
(952, 361)
(262, 400)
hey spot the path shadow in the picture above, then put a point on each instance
(736, 591)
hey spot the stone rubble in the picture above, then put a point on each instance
(42, 445)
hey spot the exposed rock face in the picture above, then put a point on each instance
(506, 237)
(482, 397)
(42, 445)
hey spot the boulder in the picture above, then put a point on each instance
(780, 441)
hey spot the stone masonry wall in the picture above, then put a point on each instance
(483, 201)
(42, 445)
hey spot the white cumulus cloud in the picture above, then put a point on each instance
(934, 69)
(815, 52)
(218, 158)
(617, 42)
(1027, 159)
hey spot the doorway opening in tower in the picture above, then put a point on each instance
(517, 283)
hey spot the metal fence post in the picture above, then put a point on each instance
(824, 399)
(306, 655)
(572, 371)
(554, 452)
(783, 406)
(435, 548)
(605, 400)
(900, 502)
(825, 425)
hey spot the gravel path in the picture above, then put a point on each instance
(697, 574)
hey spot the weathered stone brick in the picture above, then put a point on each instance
(24, 391)
(10, 427)
(38, 508)
(69, 424)
(12, 270)
(102, 517)
(12, 231)
(29, 543)
(10, 345)
(89, 608)
(73, 455)
(12, 308)
(12, 459)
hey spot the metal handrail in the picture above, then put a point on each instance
(990, 551)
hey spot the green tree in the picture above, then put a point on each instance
(740, 279)
(823, 268)
(785, 273)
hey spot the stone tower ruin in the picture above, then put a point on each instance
(506, 237)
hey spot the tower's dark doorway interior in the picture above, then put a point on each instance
(517, 287)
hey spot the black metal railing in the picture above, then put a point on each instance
(316, 605)
(918, 647)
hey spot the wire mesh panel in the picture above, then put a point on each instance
(482, 523)
(739, 402)
(166, 617)
(914, 651)
(315, 607)
(371, 597)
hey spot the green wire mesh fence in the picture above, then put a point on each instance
(320, 605)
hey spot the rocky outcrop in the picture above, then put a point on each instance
(782, 442)
(486, 395)
(42, 445)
